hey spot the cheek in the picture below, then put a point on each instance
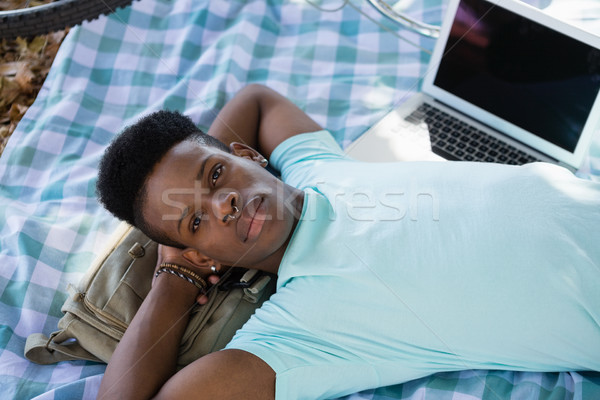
(273, 235)
(213, 246)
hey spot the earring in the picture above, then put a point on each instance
(264, 162)
(231, 216)
(213, 268)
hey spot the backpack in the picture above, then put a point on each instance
(101, 306)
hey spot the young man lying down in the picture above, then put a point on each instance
(386, 272)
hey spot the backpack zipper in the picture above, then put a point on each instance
(115, 327)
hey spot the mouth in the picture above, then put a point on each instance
(252, 220)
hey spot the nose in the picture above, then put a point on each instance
(226, 206)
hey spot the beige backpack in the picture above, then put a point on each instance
(101, 306)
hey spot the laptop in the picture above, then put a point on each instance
(506, 83)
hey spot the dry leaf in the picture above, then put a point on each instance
(24, 65)
(11, 4)
(22, 47)
(10, 68)
(24, 77)
(10, 91)
(54, 41)
(12, 127)
(37, 44)
(17, 111)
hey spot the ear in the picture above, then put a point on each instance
(245, 151)
(198, 259)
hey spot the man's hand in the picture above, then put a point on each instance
(173, 255)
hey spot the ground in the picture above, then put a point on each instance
(24, 64)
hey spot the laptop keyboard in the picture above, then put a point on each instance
(454, 139)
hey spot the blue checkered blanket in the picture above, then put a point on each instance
(345, 68)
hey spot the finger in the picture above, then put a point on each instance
(202, 299)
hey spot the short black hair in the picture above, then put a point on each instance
(131, 157)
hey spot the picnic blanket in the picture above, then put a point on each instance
(342, 62)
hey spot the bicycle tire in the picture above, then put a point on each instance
(55, 16)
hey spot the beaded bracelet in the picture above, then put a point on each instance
(184, 270)
(183, 273)
(182, 276)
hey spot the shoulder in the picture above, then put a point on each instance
(320, 141)
(304, 149)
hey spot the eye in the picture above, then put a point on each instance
(196, 223)
(216, 174)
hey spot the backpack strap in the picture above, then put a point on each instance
(44, 350)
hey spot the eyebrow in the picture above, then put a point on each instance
(199, 176)
(184, 214)
(201, 173)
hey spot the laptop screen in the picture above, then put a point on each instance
(530, 75)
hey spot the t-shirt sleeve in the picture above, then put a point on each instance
(297, 156)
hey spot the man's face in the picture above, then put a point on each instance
(224, 205)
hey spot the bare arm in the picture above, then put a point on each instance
(144, 362)
(146, 355)
(226, 374)
(261, 118)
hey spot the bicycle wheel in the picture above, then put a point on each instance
(42, 19)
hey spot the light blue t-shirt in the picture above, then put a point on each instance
(400, 270)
